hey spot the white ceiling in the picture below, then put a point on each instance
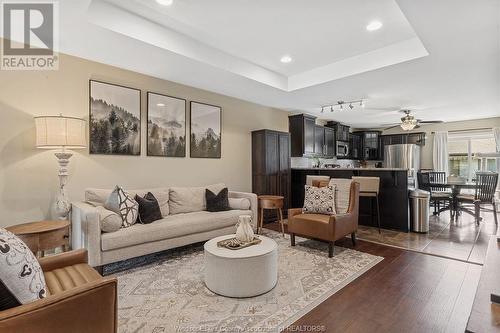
(439, 57)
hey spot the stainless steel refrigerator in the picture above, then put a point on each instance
(404, 156)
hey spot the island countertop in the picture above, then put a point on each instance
(393, 193)
(357, 169)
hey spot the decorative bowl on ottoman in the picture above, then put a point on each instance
(248, 272)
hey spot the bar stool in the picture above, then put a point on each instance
(311, 178)
(369, 187)
(270, 202)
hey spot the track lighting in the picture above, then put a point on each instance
(339, 105)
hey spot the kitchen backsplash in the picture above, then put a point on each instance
(304, 162)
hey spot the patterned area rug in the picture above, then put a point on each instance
(169, 295)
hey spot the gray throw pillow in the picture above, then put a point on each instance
(124, 205)
(110, 221)
(21, 277)
(319, 200)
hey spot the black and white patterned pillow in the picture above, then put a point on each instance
(21, 277)
(124, 205)
(319, 200)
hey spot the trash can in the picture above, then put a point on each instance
(419, 210)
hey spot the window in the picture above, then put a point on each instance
(462, 150)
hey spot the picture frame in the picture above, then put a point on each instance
(205, 130)
(166, 125)
(114, 119)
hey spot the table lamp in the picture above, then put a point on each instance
(61, 133)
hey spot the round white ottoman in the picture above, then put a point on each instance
(246, 272)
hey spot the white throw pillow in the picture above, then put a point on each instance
(239, 203)
(190, 199)
(20, 272)
(319, 200)
(342, 193)
(124, 205)
(110, 221)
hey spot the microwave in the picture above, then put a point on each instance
(342, 149)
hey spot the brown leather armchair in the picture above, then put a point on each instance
(326, 227)
(78, 300)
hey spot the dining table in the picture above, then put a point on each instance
(455, 188)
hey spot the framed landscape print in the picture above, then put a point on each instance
(166, 126)
(205, 130)
(114, 119)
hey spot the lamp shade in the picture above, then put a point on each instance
(58, 131)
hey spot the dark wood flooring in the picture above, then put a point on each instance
(406, 292)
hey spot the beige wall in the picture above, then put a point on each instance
(448, 126)
(28, 176)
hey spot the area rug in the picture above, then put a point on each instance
(169, 295)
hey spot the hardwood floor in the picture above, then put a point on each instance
(406, 292)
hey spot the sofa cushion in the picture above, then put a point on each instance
(124, 205)
(149, 210)
(171, 227)
(110, 221)
(217, 202)
(342, 194)
(21, 277)
(98, 197)
(239, 203)
(190, 199)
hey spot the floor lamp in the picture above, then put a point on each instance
(61, 133)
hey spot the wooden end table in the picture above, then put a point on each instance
(41, 236)
(270, 202)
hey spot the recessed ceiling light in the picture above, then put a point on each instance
(374, 25)
(165, 2)
(160, 104)
(286, 59)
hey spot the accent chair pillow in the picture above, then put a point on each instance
(124, 205)
(21, 277)
(149, 209)
(110, 221)
(217, 202)
(319, 200)
(190, 199)
(342, 193)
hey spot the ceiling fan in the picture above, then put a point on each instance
(409, 122)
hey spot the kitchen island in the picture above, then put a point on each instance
(393, 195)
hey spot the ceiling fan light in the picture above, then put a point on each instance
(408, 123)
(331, 108)
(351, 106)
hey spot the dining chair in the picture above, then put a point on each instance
(484, 194)
(311, 178)
(439, 194)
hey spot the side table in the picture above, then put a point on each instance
(270, 202)
(41, 236)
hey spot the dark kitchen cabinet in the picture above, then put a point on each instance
(302, 134)
(329, 142)
(341, 131)
(324, 141)
(356, 146)
(271, 166)
(372, 145)
(417, 138)
(319, 140)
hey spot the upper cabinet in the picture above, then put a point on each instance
(372, 145)
(301, 128)
(341, 131)
(307, 138)
(356, 145)
(417, 138)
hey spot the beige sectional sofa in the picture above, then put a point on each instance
(185, 221)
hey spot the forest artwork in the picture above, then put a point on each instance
(205, 130)
(166, 126)
(115, 119)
